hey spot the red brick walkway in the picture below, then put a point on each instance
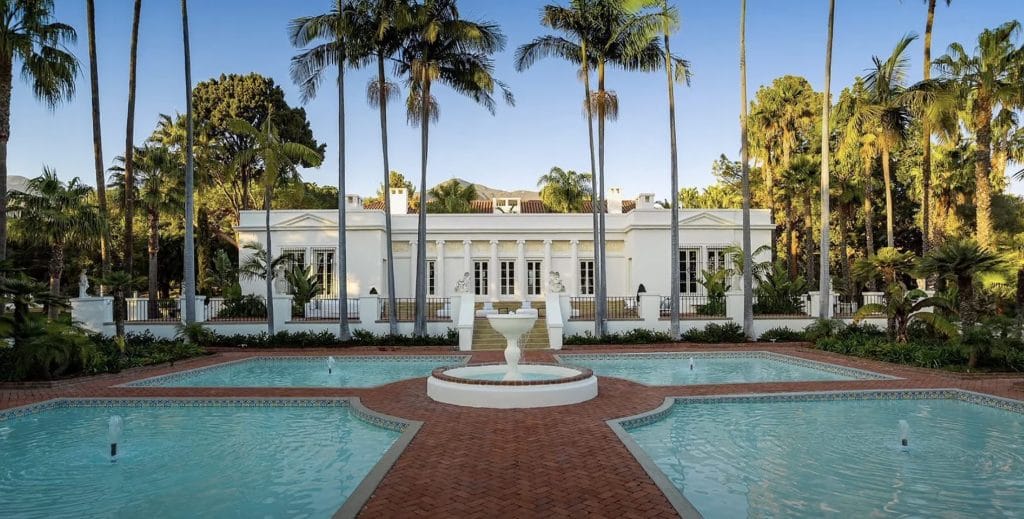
(561, 461)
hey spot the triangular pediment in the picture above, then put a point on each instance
(705, 219)
(305, 220)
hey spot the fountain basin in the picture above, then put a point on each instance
(542, 385)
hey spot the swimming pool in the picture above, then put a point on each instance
(836, 454)
(194, 457)
(348, 371)
(673, 369)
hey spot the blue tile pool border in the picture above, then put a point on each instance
(859, 374)
(359, 496)
(449, 360)
(685, 508)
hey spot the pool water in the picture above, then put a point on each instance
(842, 458)
(673, 369)
(223, 461)
(348, 371)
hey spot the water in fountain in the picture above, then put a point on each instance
(691, 363)
(904, 433)
(114, 428)
(330, 365)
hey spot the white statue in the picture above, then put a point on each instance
(462, 285)
(83, 284)
(555, 282)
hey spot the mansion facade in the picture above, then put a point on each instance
(507, 247)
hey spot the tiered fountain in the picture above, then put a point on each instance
(512, 385)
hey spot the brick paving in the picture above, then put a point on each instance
(553, 462)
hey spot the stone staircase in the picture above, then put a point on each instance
(485, 338)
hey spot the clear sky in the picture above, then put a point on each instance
(509, 150)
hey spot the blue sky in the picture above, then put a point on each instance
(513, 148)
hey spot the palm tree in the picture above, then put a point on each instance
(441, 47)
(277, 157)
(824, 279)
(29, 36)
(564, 191)
(340, 50)
(120, 285)
(748, 260)
(452, 197)
(926, 158)
(97, 140)
(985, 81)
(189, 284)
(55, 214)
(962, 261)
(903, 306)
(888, 113)
(129, 144)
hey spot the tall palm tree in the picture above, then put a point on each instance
(97, 140)
(984, 81)
(129, 144)
(824, 279)
(383, 20)
(564, 191)
(574, 22)
(748, 278)
(889, 114)
(926, 158)
(443, 48)
(452, 197)
(277, 157)
(29, 35)
(189, 283)
(340, 49)
(55, 214)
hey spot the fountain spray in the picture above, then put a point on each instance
(114, 428)
(330, 365)
(904, 433)
(691, 363)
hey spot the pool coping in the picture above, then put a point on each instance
(357, 498)
(151, 382)
(686, 509)
(856, 373)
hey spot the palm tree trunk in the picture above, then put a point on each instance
(926, 158)
(129, 145)
(825, 281)
(599, 247)
(153, 250)
(844, 255)
(6, 81)
(809, 237)
(269, 271)
(593, 168)
(748, 278)
(55, 267)
(791, 245)
(889, 233)
(189, 283)
(983, 170)
(869, 229)
(389, 248)
(674, 173)
(97, 141)
(420, 327)
(343, 331)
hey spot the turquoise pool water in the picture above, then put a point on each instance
(348, 371)
(673, 369)
(227, 461)
(842, 458)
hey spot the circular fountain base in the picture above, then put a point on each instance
(542, 385)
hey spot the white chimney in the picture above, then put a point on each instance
(614, 200)
(353, 202)
(399, 200)
(645, 201)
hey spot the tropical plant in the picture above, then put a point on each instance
(903, 306)
(29, 36)
(564, 191)
(303, 285)
(889, 265)
(24, 293)
(825, 277)
(254, 265)
(747, 254)
(443, 48)
(276, 156)
(129, 145)
(716, 284)
(780, 294)
(451, 197)
(57, 215)
(120, 284)
(962, 261)
(97, 139)
(926, 158)
(189, 260)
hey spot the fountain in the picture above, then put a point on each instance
(904, 433)
(330, 365)
(114, 428)
(691, 363)
(512, 385)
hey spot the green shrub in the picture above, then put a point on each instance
(781, 334)
(822, 328)
(243, 307)
(327, 339)
(634, 336)
(716, 333)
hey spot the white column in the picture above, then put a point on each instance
(574, 266)
(545, 268)
(412, 263)
(521, 269)
(439, 287)
(493, 272)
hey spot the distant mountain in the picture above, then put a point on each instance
(487, 193)
(16, 183)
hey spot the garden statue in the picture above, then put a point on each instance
(555, 282)
(83, 284)
(462, 285)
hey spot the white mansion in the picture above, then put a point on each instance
(507, 245)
